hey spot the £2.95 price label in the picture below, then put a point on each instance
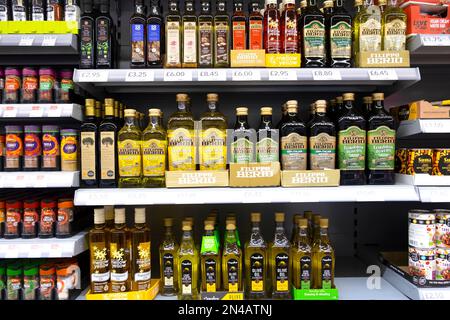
(382, 74)
(246, 75)
(93, 76)
(178, 75)
(139, 76)
(212, 75)
(282, 75)
(326, 75)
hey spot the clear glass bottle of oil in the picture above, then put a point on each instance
(187, 265)
(168, 258)
(323, 259)
(301, 257)
(120, 253)
(210, 260)
(99, 251)
(231, 260)
(140, 252)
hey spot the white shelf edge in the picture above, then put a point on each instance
(38, 43)
(40, 179)
(421, 180)
(423, 126)
(37, 110)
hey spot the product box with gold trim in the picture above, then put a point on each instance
(255, 175)
(248, 58)
(38, 27)
(149, 294)
(283, 60)
(383, 59)
(310, 178)
(422, 110)
(222, 295)
(196, 179)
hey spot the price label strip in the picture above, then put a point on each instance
(382, 74)
(178, 75)
(326, 75)
(212, 75)
(140, 76)
(49, 42)
(36, 112)
(282, 75)
(26, 41)
(246, 75)
(436, 40)
(93, 76)
(55, 111)
(10, 111)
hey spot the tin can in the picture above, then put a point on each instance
(441, 162)
(421, 228)
(442, 264)
(401, 160)
(442, 236)
(420, 161)
(422, 263)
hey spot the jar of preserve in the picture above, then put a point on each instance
(30, 85)
(13, 219)
(65, 218)
(51, 159)
(11, 93)
(47, 78)
(14, 148)
(47, 281)
(48, 219)
(69, 150)
(66, 86)
(33, 148)
(30, 219)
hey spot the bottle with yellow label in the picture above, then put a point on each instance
(154, 150)
(168, 260)
(129, 150)
(213, 137)
(88, 143)
(231, 259)
(187, 265)
(108, 140)
(181, 137)
(210, 259)
(323, 259)
(394, 27)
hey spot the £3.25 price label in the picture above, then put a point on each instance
(382, 74)
(246, 75)
(178, 75)
(139, 76)
(212, 75)
(93, 76)
(282, 75)
(326, 75)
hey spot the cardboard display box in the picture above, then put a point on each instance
(315, 294)
(287, 60)
(427, 18)
(383, 59)
(150, 294)
(310, 178)
(255, 175)
(248, 58)
(196, 179)
(422, 110)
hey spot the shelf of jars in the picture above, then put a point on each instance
(73, 111)
(40, 179)
(423, 126)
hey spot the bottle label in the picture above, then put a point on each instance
(291, 34)
(142, 274)
(48, 218)
(305, 273)
(206, 43)
(181, 150)
(87, 43)
(88, 155)
(30, 218)
(213, 149)
(100, 268)
(211, 275)
(50, 13)
(69, 150)
(13, 218)
(168, 263)
(256, 35)
(326, 272)
(137, 43)
(267, 150)
(381, 148)
(233, 275)
(352, 149)
(190, 42)
(222, 42)
(14, 150)
(154, 157)
(322, 152)
(129, 158)
(395, 35)
(50, 145)
(294, 152)
(173, 43)
(119, 268)
(37, 14)
(314, 39)
(370, 35)
(19, 13)
(71, 13)
(282, 272)
(239, 35)
(107, 155)
(153, 43)
(273, 36)
(257, 272)
(242, 151)
(186, 277)
(32, 150)
(341, 40)
(103, 45)
(3, 13)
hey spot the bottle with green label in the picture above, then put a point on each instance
(339, 36)
(187, 265)
(232, 259)
(323, 259)
(243, 146)
(380, 143)
(267, 147)
(301, 257)
(351, 143)
(210, 260)
(312, 26)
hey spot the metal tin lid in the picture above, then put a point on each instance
(32, 129)
(50, 129)
(69, 132)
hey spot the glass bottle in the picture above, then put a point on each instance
(210, 260)
(339, 107)
(89, 136)
(72, 11)
(168, 258)
(155, 36)
(339, 33)
(104, 31)
(283, 115)
(221, 36)
(187, 265)
(367, 101)
(382, 5)
(140, 252)
(173, 36)
(108, 140)
(129, 152)
(322, 140)
(267, 147)
(255, 26)
(312, 26)
(109, 217)
(294, 234)
(302, 257)
(205, 35)
(138, 35)
(352, 143)
(119, 248)
(367, 29)
(190, 46)
(380, 143)
(289, 29)
(323, 259)
(243, 145)
(394, 27)
(99, 254)
(232, 260)
(87, 36)
(272, 28)
(239, 27)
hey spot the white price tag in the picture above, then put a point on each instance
(10, 111)
(212, 75)
(12, 251)
(435, 126)
(434, 294)
(283, 75)
(255, 197)
(140, 76)
(49, 42)
(326, 75)
(26, 41)
(20, 181)
(40, 181)
(246, 75)
(436, 40)
(55, 250)
(382, 74)
(35, 251)
(36, 112)
(364, 195)
(93, 76)
(178, 75)
(55, 111)
(304, 196)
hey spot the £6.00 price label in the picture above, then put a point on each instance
(26, 41)
(212, 75)
(282, 75)
(177, 75)
(93, 76)
(246, 75)
(326, 75)
(140, 76)
(382, 74)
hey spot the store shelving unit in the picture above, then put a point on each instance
(411, 128)
(39, 179)
(40, 111)
(429, 49)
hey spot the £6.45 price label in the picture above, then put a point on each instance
(326, 75)
(178, 75)
(382, 74)
(93, 76)
(140, 76)
(212, 75)
(282, 75)
(246, 75)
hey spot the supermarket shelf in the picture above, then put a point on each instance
(39, 179)
(44, 248)
(434, 194)
(429, 49)
(422, 180)
(31, 44)
(102, 197)
(73, 111)
(408, 129)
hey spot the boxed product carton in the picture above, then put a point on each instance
(255, 175)
(422, 110)
(427, 19)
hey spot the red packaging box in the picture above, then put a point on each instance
(422, 20)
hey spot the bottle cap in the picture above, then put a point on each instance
(231, 226)
(382, 2)
(119, 215)
(99, 216)
(209, 225)
(292, 108)
(266, 111)
(297, 217)
(378, 96)
(139, 215)
(242, 111)
(303, 4)
(168, 222)
(367, 100)
(154, 113)
(328, 4)
(358, 3)
(349, 96)
(182, 97)
(321, 103)
(109, 102)
(324, 223)
(187, 226)
(291, 103)
(130, 113)
(256, 217)
(279, 217)
(212, 97)
(90, 103)
(303, 223)
(190, 220)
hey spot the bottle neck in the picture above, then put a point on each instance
(348, 105)
(140, 225)
(303, 232)
(187, 235)
(378, 105)
(119, 226)
(168, 232)
(255, 227)
(173, 8)
(266, 121)
(320, 113)
(139, 8)
(221, 7)
(323, 233)
(104, 8)
(155, 10)
(209, 233)
(100, 226)
(242, 120)
(230, 236)
(279, 228)
(212, 106)
(155, 121)
(292, 116)
(312, 3)
(130, 121)
(183, 106)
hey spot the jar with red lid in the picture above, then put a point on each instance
(65, 218)
(13, 219)
(47, 78)
(66, 86)
(30, 219)
(2, 218)
(11, 93)
(30, 85)
(48, 219)
(47, 281)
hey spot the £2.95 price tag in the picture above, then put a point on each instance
(178, 75)
(326, 75)
(382, 74)
(212, 75)
(282, 75)
(10, 111)
(140, 76)
(93, 76)
(246, 75)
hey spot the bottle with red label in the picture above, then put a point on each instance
(255, 26)
(289, 31)
(13, 219)
(30, 219)
(272, 27)
(239, 25)
(48, 219)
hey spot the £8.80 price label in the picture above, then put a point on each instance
(93, 76)
(212, 75)
(326, 75)
(246, 75)
(382, 74)
(177, 75)
(282, 75)
(139, 76)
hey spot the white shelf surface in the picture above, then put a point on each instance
(434, 194)
(102, 197)
(39, 179)
(30, 44)
(41, 111)
(44, 248)
(422, 180)
(430, 48)
(424, 126)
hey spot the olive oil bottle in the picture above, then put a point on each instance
(312, 26)
(221, 36)
(205, 35)
(232, 260)
(120, 254)
(210, 260)
(108, 140)
(367, 29)
(367, 109)
(243, 146)
(267, 148)
(189, 47)
(280, 261)
(138, 34)
(140, 252)
(173, 36)
(294, 234)
(154, 151)
(323, 259)
(315, 227)
(187, 265)
(256, 261)
(168, 257)
(89, 140)
(129, 150)
(104, 33)
(339, 36)
(99, 251)
(394, 27)
(302, 257)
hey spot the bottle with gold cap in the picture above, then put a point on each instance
(352, 143)
(367, 29)
(232, 259)
(129, 151)
(89, 136)
(140, 252)
(339, 37)
(99, 254)
(283, 115)
(98, 112)
(243, 145)
(294, 233)
(309, 216)
(108, 140)
(315, 223)
(301, 257)
(213, 137)
(210, 260)
(323, 259)
(322, 139)
(256, 259)
(120, 253)
(294, 140)
(267, 148)
(394, 21)
(312, 26)
(367, 109)
(154, 151)
(181, 137)
(168, 257)
(339, 108)
(187, 265)
(116, 111)
(380, 143)
(279, 263)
